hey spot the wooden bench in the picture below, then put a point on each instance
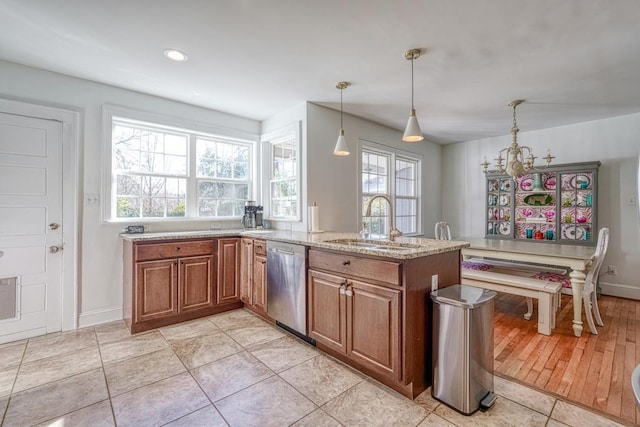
(547, 293)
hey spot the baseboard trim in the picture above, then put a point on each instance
(22, 335)
(614, 290)
(620, 290)
(97, 317)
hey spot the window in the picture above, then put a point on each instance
(284, 176)
(395, 176)
(162, 172)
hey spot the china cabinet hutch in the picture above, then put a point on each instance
(556, 204)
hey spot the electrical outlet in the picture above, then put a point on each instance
(434, 282)
(92, 199)
(612, 270)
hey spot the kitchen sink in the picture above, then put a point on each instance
(375, 244)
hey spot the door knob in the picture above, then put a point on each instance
(54, 226)
(55, 249)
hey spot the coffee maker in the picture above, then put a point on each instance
(252, 215)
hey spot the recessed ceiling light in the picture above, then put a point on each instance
(175, 55)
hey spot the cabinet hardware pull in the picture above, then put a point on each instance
(346, 262)
(342, 291)
(349, 292)
(178, 248)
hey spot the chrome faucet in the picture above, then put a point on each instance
(393, 232)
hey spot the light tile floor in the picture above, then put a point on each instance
(228, 369)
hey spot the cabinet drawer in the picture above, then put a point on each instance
(260, 247)
(372, 269)
(145, 252)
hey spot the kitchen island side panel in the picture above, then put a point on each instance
(418, 312)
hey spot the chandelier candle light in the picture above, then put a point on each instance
(412, 132)
(517, 162)
(341, 145)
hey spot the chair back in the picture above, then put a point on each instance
(598, 258)
(442, 231)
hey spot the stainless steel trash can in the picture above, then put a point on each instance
(463, 347)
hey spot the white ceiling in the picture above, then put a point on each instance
(572, 60)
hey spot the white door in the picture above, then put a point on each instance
(30, 226)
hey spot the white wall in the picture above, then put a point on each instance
(615, 142)
(333, 180)
(100, 275)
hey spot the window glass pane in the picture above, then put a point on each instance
(153, 207)
(127, 185)
(127, 207)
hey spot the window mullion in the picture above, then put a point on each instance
(192, 180)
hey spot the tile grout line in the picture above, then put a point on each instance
(15, 379)
(104, 374)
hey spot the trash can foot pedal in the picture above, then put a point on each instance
(488, 401)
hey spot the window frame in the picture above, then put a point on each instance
(269, 141)
(393, 154)
(170, 124)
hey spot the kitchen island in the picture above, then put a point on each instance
(368, 301)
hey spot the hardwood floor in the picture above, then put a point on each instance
(593, 370)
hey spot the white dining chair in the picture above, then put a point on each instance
(590, 283)
(635, 383)
(442, 231)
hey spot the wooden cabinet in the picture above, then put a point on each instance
(354, 317)
(228, 270)
(253, 274)
(174, 281)
(374, 313)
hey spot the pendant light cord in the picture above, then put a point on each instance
(412, 56)
(341, 109)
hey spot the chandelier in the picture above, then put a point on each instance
(519, 158)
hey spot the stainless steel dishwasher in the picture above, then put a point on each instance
(286, 286)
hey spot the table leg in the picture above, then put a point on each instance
(577, 286)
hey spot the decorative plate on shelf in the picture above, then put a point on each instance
(504, 200)
(493, 200)
(493, 185)
(505, 185)
(573, 232)
(526, 184)
(577, 181)
(538, 199)
(505, 228)
(550, 183)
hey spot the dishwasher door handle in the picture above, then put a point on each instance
(282, 251)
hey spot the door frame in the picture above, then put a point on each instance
(70, 177)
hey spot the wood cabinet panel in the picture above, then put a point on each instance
(151, 251)
(327, 310)
(246, 270)
(354, 266)
(156, 290)
(374, 327)
(228, 270)
(259, 282)
(196, 280)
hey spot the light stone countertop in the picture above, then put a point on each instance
(425, 247)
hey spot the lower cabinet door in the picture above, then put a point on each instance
(259, 281)
(246, 270)
(228, 270)
(327, 310)
(156, 290)
(196, 285)
(373, 327)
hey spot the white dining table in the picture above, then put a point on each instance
(575, 257)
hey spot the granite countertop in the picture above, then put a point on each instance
(402, 248)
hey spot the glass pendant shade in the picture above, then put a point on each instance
(413, 133)
(341, 145)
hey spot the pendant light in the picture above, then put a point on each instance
(341, 146)
(412, 133)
